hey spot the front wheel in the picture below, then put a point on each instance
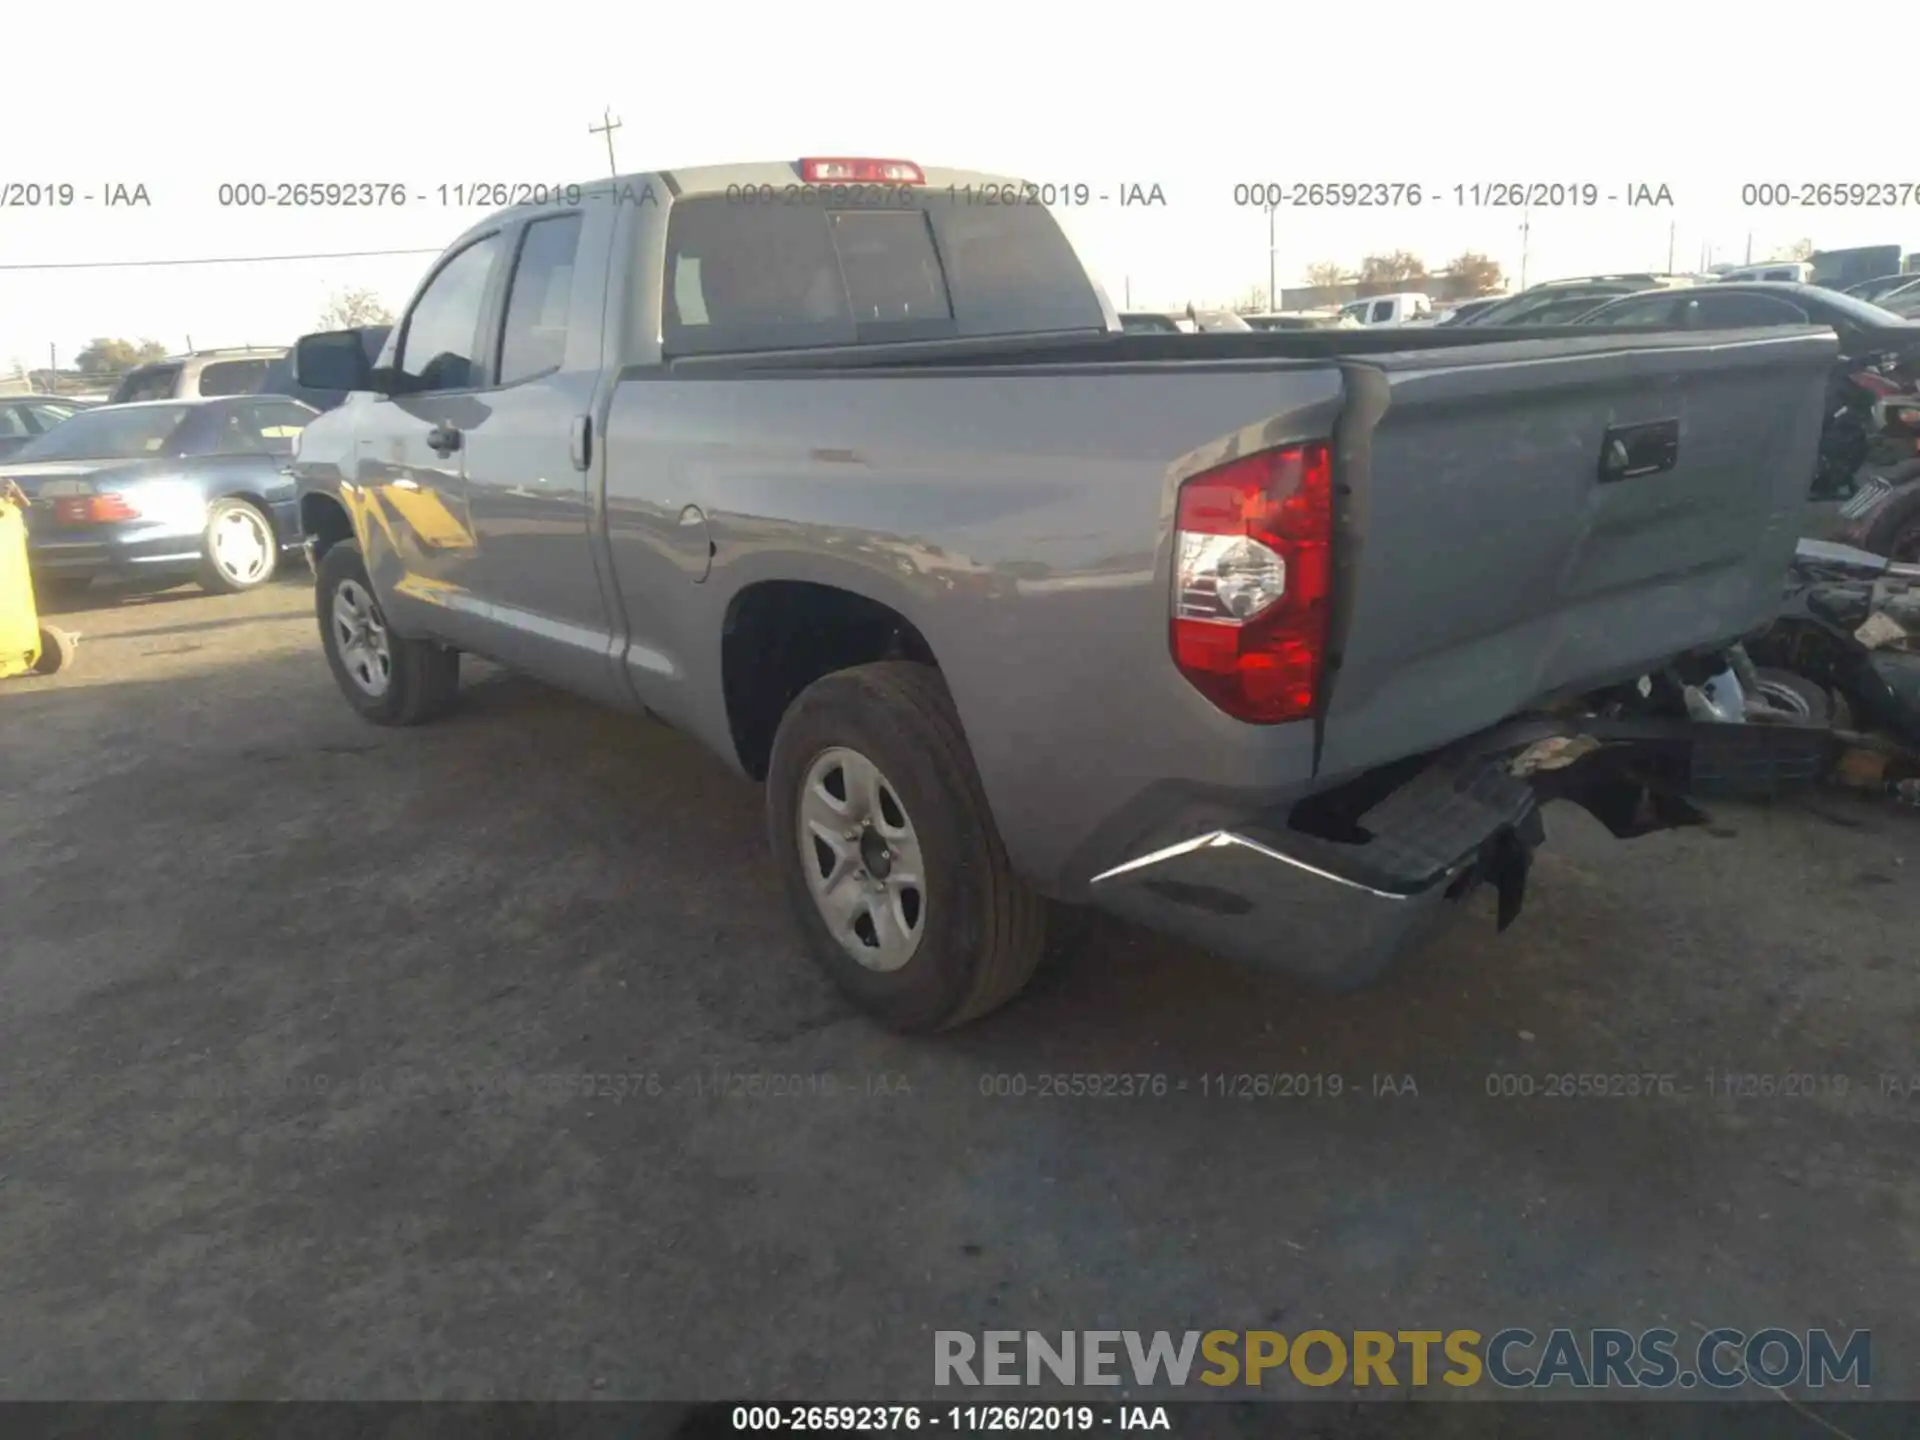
(239, 551)
(889, 855)
(388, 678)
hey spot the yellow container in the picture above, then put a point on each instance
(26, 645)
(19, 619)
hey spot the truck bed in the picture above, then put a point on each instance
(1020, 518)
(1080, 348)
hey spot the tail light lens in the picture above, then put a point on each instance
(93, 509)
(1251, 571)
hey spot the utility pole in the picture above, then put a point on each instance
(606, 127)
(1672, 226)
(1128, 281)
(53, 367)
(1526, 241)
(1749, 259)
(1273, 294)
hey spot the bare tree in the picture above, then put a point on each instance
(349, 309)
(1393, 268)
(1326, 274)
(1476, 273)
(1798, 250)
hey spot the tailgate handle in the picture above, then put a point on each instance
(1628, 451)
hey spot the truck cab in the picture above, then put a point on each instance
(1401, 309)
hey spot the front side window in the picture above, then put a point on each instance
(440, 341)
(533, 340)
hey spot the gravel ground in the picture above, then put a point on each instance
(283, 998)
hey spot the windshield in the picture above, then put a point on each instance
(1860, 312)
(1881, 288)
(113, 433)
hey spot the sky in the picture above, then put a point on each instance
(1196, 99)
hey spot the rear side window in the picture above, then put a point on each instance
(268, 428)
(745, 278)
(233, 377)
(1382, 310)
(1735, 311)
(534, 340)
(48, 416)
(152, 382)
(1648, 310)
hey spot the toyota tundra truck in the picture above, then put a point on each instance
(1276, 642)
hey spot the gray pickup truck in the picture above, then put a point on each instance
(1276, 642)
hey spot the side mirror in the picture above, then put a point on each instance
(332, 360)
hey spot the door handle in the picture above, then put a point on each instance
(1629, 451)
(443, 440)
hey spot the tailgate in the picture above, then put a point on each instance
(1543, 516)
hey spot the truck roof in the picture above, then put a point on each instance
(688, 181)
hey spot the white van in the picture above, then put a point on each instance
(1800, 272)
(1405, 308)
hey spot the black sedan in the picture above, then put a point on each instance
(25, 418)
(1740, 304)
(167, 489)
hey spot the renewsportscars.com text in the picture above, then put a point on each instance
(1597, 1359)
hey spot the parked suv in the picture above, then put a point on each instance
(205, 374)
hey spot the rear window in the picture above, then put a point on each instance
(774, 277)
(150, 382)
(112, 433)
(233, 377)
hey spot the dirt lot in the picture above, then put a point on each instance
(282, 997)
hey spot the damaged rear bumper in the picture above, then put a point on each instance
(1334, 899)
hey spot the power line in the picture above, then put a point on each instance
(220, 260)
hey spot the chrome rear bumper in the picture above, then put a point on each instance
(1242, 898)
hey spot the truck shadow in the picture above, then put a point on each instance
(542, 888)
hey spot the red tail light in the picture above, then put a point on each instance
(1876, 384)
(1251, 570)
(841, 170)
(93, 509)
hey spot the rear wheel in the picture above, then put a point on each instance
(1805, 700)
(888, 852)
(388, 678)
(239, 551)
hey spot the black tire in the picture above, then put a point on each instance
(212, 578)
(1807, 700)
(1895, 531)
(983, 930)
(56, 650)
(422, 678)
